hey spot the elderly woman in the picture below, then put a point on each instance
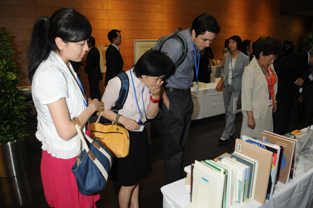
(259, 88)
(234, 64)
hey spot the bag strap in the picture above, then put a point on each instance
(123, 92)
(82, 139)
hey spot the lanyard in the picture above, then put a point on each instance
(196, 62)
(232, 68)
(269, 80)
(80, 85)
(143, 104)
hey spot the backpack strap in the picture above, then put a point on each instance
(182, 42)
(123, 92)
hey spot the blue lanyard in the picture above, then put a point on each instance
(81, 87)
(143, 104)
(196, 63)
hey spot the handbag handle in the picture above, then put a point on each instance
(100, 114)
(81, 140)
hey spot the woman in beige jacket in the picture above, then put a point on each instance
(259, 88)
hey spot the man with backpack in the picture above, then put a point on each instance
(177, 106)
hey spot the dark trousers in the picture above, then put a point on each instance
(176, 123)
(285, 100)
(94, 89)
(308, 104)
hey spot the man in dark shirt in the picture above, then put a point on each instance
(113, 57)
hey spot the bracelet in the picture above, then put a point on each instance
(117, 117)
(155, 100)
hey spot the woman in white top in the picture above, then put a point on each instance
(234, 64)
(58, 97)
(145, 81)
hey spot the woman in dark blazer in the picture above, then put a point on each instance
(233, 66)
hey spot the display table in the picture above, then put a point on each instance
(298, 193)
(216, 72)
(207, 101)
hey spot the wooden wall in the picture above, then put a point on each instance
(151, 19)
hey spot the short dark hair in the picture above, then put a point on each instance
(238, 40)
(269, 46)
(92, 41)
(112, 34)
(203, 23)
(154, 63)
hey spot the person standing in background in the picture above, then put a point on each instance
(246, 47)
(93, 70)
(234, 64)
(113, 57)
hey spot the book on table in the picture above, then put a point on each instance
(208, 186)
(264, 158)
(275, 149)
(253, 171)
(288, 147)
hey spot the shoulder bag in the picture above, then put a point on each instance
(92, 165)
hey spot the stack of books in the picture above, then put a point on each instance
(251, 172)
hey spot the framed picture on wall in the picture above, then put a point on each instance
(141, 46)
(103, 65)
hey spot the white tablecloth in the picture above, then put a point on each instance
(207, 101)
(298, 193)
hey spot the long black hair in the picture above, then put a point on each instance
(65, 23)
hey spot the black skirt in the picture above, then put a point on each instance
(128, 171)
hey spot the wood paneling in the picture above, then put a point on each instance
(150, 19)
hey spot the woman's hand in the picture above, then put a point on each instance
(251, 123)
(98, 106)
(155, 89)
(275, 107)
(128, 123)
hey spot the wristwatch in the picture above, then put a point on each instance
(155, 100)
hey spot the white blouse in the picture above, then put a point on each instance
(130, 109)
(51, 82)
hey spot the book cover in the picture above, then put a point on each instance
(275, 149)
(255, 171)
(208, 186)
(251, 172)
(264, 157)
(225, 172)
(240, 180)
(287, 147)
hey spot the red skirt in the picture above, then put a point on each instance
(59, 184)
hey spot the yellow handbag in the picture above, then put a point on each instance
(114, 137)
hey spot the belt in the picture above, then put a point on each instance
(177, 90)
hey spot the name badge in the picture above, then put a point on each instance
(270, 102)
(141, 128)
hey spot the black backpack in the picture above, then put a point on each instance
(180, 39)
